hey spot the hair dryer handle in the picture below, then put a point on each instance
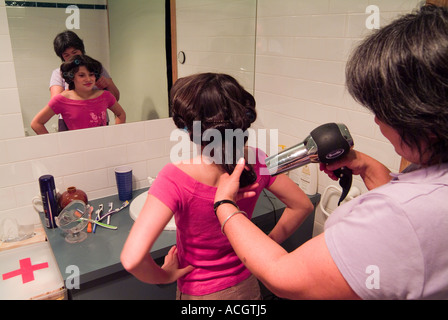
(345, 176)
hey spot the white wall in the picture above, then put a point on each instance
(138, 57)
(302, 49)
(217, 36)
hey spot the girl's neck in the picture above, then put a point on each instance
(85, 95)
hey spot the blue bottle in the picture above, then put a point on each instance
(49, 200)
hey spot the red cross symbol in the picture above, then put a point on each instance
(26, 270)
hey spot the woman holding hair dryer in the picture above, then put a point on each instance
(389, 243)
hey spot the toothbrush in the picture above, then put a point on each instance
(98, 216)
(124, 205)
(89, 225)
(99, 223)
(111, 206)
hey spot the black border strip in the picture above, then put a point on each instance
(35, 4)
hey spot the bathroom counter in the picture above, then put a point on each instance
(98, 257)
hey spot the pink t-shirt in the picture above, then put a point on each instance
(200, 242)
(82, 114)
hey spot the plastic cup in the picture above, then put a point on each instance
(123, 176)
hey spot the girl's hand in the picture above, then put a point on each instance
(229, 185)
(171, 266)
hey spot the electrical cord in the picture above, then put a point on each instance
(273, 206)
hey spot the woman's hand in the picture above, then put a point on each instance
(228, 186)
(372, 172)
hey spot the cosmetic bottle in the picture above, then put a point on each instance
(49, 200)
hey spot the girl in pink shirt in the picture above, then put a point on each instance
(203, 262)
(81, 106)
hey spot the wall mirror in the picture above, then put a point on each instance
(139, 42)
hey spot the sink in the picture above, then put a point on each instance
(137, 206)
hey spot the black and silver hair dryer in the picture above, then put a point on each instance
(327, 143)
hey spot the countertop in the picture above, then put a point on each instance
(99, 255)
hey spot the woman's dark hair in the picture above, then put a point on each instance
(71, 67)
(65, 40)
(218, 102)
(400, 73)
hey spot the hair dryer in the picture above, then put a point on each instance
(327, 143)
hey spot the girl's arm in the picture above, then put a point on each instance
(136, 257)
(120, 114)
(298, 207)
(309, 272)
(39, 121)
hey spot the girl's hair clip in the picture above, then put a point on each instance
(77, 62)
(219, 122)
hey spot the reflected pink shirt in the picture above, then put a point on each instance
(83, 114)
(200, 242)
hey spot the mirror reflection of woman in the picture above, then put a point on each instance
(66, 45)
(82, 106)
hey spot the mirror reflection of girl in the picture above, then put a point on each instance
(82, 106)
(203, 262)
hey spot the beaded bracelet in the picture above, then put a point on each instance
(218, 203)
(229, 217)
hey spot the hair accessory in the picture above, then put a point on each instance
(218, 121)
(77, 62)
(251, 116)
(218, 203)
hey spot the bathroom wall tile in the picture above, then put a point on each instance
(360, 123)
(25, 193)
(7, 199)
(32, 148)
(158, 129)
(328, 26)
(143, 151)
(124, 134)
(105, 158)
(326, 71)
(60, 165)
(88, 181)
(348, 6)
(11, 126)
(80, 140)
(7, 75)
(327, 49)
(396, 5)
(10, 101)
(4, 27)
(4, 156)
(16, 174)
(23, 215)
(6, 52)
(356, 26)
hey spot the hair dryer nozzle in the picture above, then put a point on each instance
(294, 157)
(327, 143)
